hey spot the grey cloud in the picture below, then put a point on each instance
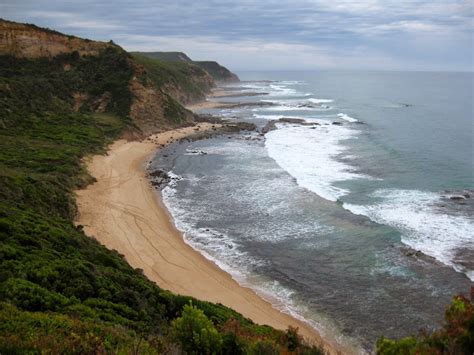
(387, 28)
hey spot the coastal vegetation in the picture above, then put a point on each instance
(218, 72)
(60, 290)
(190, 81)
(455, 337)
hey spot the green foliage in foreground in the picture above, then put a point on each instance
(23, 332)
(456, 337)
(61, 291)
(196, 332)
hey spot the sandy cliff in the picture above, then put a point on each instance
(29, 41)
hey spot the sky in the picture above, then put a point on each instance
(273, 34)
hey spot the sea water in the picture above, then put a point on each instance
(347, 221)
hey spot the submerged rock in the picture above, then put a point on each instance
(271, 125)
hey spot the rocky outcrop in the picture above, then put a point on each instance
(271, 125)
(30, 41)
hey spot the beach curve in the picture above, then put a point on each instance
(122, 211)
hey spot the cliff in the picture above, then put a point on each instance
(30, 41)
(182, 80)
(94, 77)
(216, 71)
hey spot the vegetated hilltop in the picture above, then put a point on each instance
(185, 82)
(168, 56)
(60, 290)
(217, 71)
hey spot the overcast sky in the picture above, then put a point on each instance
(273, 34)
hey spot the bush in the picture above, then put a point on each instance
(232, 344)
(455, 337)
(264, 347)
(195, 332)
(292, 338)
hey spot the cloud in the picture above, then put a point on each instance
(74, 20)
(320, 32)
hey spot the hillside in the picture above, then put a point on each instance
(185, 82)
(63, 98)
(167, 56)
(218, 72)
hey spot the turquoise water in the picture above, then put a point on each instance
(349, 226)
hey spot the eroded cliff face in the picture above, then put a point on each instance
(199, 78)
(151, 109)
(217, 71)
(28, 41)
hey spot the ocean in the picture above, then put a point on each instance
(359, 219)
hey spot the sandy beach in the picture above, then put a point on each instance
(123, 212)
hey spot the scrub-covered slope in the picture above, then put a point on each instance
(60, 290)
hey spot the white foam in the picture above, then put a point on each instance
(310, 156)
(228, 256)
(285, 108)
(320, 101)
(267, 117)
(421, 223)
(291, 82)
(347, 117)
(291, 105)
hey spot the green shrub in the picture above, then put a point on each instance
(232, 344)
(195, 332)
(292, 338)
(455, 337)
(264, 347)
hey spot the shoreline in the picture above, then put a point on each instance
(123, 212)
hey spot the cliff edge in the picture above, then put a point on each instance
(218, 72)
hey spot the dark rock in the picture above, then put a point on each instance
(159, 178)
(270, 126)
(292, 120)
(245, 126)
(208, 118)
(337, 123)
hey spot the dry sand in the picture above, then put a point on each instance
(123, 212)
